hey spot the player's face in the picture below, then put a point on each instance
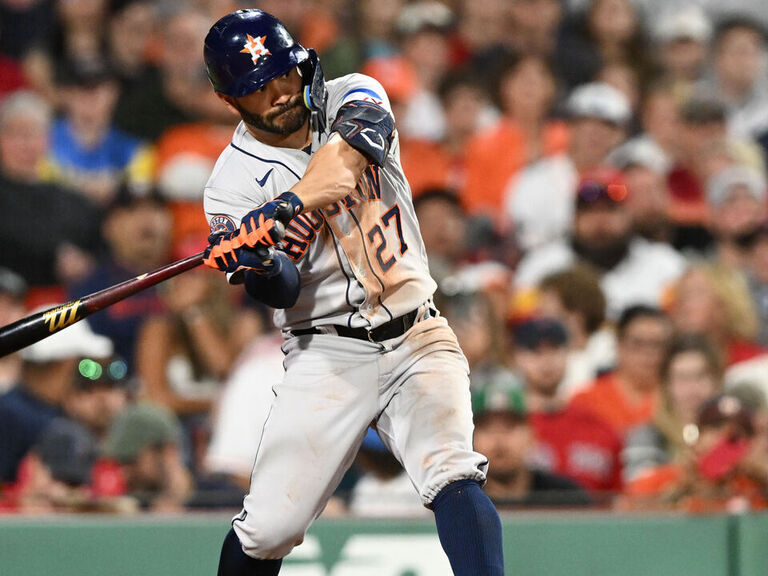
(277, 107)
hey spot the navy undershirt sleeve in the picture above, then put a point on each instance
(278, 291)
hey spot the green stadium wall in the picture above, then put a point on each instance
(583, 544)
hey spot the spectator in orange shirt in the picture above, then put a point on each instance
(627, 397)
(525, 90)
(442, 164)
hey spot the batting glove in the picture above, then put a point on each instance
(225, 253)
(265, 225)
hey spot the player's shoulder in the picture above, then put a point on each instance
(355, 86)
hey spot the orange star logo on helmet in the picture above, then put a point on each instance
(255, 47)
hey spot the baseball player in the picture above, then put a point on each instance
(310, 210)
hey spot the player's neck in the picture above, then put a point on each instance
(298, 140)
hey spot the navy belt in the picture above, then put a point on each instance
(392, 329)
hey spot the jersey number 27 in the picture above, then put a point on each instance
(378, 239)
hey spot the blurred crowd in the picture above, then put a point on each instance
(590, 181)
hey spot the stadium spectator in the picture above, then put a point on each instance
(137, 232)
(87, 153)
(132, 26)
(632, 270)
(442, 164)
(608, 31)
(78, 34)
(484, 32)
(691, 373)
(720, 476)
(738, 75)
(714, 301)
(48, 233)
(538, 201)
(456, 244)
(13, 289)
(736, 197)
(524, 89)
(704, 148)
(56, 474)
(143, 447)
(180, 93)
(423, 29)
(644, 168)
(568, 440)
(682, 35)
(574, 298)
(48, 374)
(628, 396)
(535, 26)
(504, 432)
(480, 332)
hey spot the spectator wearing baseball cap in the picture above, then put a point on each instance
(539, 199)
(144, 442)
(567, 441)
(503, 432)
(644, 167)
(632, 270)
(682, 35)
(48, 371)
(736, 197)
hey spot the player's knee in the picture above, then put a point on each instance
(263, 539)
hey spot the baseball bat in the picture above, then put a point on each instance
(35, 327)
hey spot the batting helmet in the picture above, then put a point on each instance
(246, 49)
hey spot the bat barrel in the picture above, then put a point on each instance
(35, 327)
(24, 332)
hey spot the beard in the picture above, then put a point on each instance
(606, 256)
(286, 120)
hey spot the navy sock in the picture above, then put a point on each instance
(469, 529)
(235, 562)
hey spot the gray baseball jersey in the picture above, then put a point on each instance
(362, 261)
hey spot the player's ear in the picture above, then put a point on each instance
(229, 101)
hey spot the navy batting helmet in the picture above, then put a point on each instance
(246, 49)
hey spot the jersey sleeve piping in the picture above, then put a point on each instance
(233, 145)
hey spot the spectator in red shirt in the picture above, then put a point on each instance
(568, 440)
(627, 397)
(503, 432)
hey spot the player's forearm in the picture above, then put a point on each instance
(280, 291)
(332, 173)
